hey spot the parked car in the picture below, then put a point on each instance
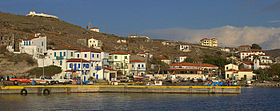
(43, 80)
(23, 79)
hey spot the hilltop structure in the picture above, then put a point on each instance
(95, 29)
(33, 13)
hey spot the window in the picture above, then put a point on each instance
(79, 66)
(125, 57)
(60, 54)
(42, 43)
(54, 54)
(93, 74)
(132, 65)
(71, 54)
(70, 65)
(85, 55)
(138, 65)
(92, 55)
(60, 63)
(78, 55)
(110, 57)
(142, 65)
(63, 53)
(116, 57)
(97, 55)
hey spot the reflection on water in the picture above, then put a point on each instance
(250, 99)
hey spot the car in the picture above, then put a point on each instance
(23, 79)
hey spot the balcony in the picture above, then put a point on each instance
(59, 57)
(98, 67)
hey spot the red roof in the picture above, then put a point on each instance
(231, 70)
(88, 50)
(70, 71)
(245, 70)
(163, 58)
(248, 63)
(213, 39)
(256, 50)
(136, 61)
(31, 38)
(182, 56)
(119, 53)
(94, 28)
(204, 39)
(193, 64)
(61, 48)
(77, 60)
(106, 68)
(244, 46)
(264, 64)
(184, 69)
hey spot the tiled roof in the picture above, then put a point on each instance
(256, 50)
(204, 39)
(94, 28)
(106, 68)
(31, 38)
(136, 61)
(163, 58)
(231, 70)
(245, 70)
(248, 63)
(70, 71)
(193, 64)
(61, 48)
(184, 69)
(77, 60)
(119, 53)
(88, 50)
(244, 46)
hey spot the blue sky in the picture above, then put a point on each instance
(124, 17)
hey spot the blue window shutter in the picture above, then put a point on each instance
(85, 55)
(78, 55)
(78, 65)
(42, 43)
(97, 55)
(64, 53)
(92, 55)
(54, 54)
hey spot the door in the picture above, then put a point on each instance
(75, 66)
(85, 78)
(96, 76)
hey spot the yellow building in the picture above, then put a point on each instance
(209, 42)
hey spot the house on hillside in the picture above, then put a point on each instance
(35, 46)
(245, 48)
(165, 60)
(233, 72)
(180, 58)
(184, 48)
(145, 54)
(95, 29)
(209, 42)
(137, 67)
(94, 43)
(121, 41)
(60, 56)
(244, 54)
(132, 36)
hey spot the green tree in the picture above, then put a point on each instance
(256, 46)
(216, 60)
(189, 60)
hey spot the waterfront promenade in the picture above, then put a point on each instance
(48, 89)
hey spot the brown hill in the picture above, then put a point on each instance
(273, 52)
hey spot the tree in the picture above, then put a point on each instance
(256, 46)
(189, 60)
(216, 60)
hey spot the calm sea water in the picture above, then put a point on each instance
(251, 99)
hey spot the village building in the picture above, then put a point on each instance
(95, 29)
(244, 54)
(80, 66)
(192, 70)
(60, 56)
(132, 36)
(35, 46)
(145, 54)
(181, 58)
(265, 59)
(209, 42)
(169, 43)
(165, 60)
(94, 43)
(184, 48)
(233, 72)
(245, 48)
(137, 67)
(120, 41)
(120, 61)
(33, 13)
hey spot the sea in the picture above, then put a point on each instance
(251, 99)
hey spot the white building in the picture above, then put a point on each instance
(60, 56)
(35, 46)
(209, 42)
(244, 54)
(145, 54)
(232, 71)
(95, 29)
(81, 66)
(184, 48)
(120, 61)
(180, 58)
(264, 59)
(165, 60)
(33, 13)
(137, 67)
(120, 41)
(94, 43)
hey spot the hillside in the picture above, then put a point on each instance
(273, 53)
(60, 33)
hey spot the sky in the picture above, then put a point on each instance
(232, 22)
